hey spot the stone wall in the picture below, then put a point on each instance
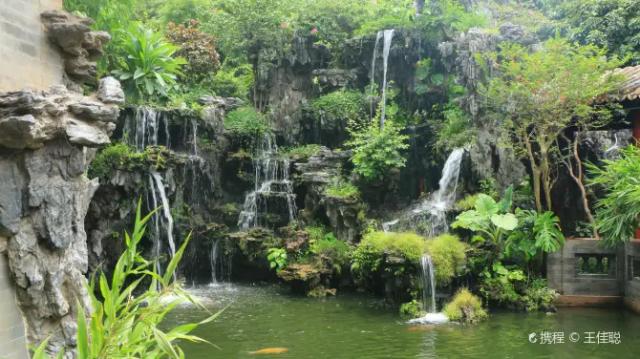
(576, 289)
(27, 58)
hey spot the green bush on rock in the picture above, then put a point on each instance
(246, 121)
(376, 151)
(465, 307)
(376, 245)
(448, 255)
(340, 188)
(349, 106)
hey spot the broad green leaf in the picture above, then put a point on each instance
(506, 221)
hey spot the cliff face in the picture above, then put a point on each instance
(46, 141)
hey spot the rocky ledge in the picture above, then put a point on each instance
(46, 144)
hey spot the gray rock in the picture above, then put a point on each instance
(79, 45)
(226, 103)
(44, 197)
(94, 111)
(110, 91)
(21, 132)
(80, 133)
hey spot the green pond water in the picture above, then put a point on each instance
(352, 326)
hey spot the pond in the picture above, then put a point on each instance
(353, 326)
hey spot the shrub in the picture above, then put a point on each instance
(375, 245)
(148, 67)
(618, 212)
(465, 307)
(120, 156)
(197, 47)
(377, 151)
(301, 152)
(412, 309)
(349, 106)
(233, 81)
(538, 296)
(340, 188)
(329, 247)
(448, 255)
(246, 121)
(277, 258)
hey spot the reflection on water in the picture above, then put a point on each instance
(352, 326)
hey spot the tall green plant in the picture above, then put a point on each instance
(125, 324)
(618, 211)
(148, 67)
(376, 151)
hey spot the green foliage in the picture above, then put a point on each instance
(617, 212)
(537, 233)
(343, 105)
(612, 24)
(301, 152)
(412, 309)
(456, 130)
(277, 258)
(448, 255)
(197, 48)
(183, 11)
(374, 246)
(124, 325)
(511, 288)
(489, 220)
(147, 68)
(120, 156)
(377, 151)
(467, 203)
(539, 94)
(465, 307)
(233, 81)
(341, 188)
(329, 247)
(246, 121)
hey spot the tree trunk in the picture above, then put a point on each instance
(578, 177)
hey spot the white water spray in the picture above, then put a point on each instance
(433, 211)
(272, 179)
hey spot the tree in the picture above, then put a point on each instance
(537, 95)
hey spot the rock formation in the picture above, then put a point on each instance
(46, 144)
(79, 45)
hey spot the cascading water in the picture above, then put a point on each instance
(219, 263)
(373, 67)
(432, 212)
(427, 277)
(387, 36)
(271, 181)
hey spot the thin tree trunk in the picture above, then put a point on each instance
(578, 177)
(535, 172)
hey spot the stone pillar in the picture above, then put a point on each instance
(45, 141)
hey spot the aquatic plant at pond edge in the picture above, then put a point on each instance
(277, 258)
(465, 307)
(125, 324)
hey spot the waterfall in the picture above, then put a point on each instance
(427, 277)
(388, 37)
(272, 180)
(433, 210)
(213, 261)
(166, 210)
(143, 128)
(373, 67)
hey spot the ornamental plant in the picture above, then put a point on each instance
(148, 67)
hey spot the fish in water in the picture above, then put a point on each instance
(267, 351)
